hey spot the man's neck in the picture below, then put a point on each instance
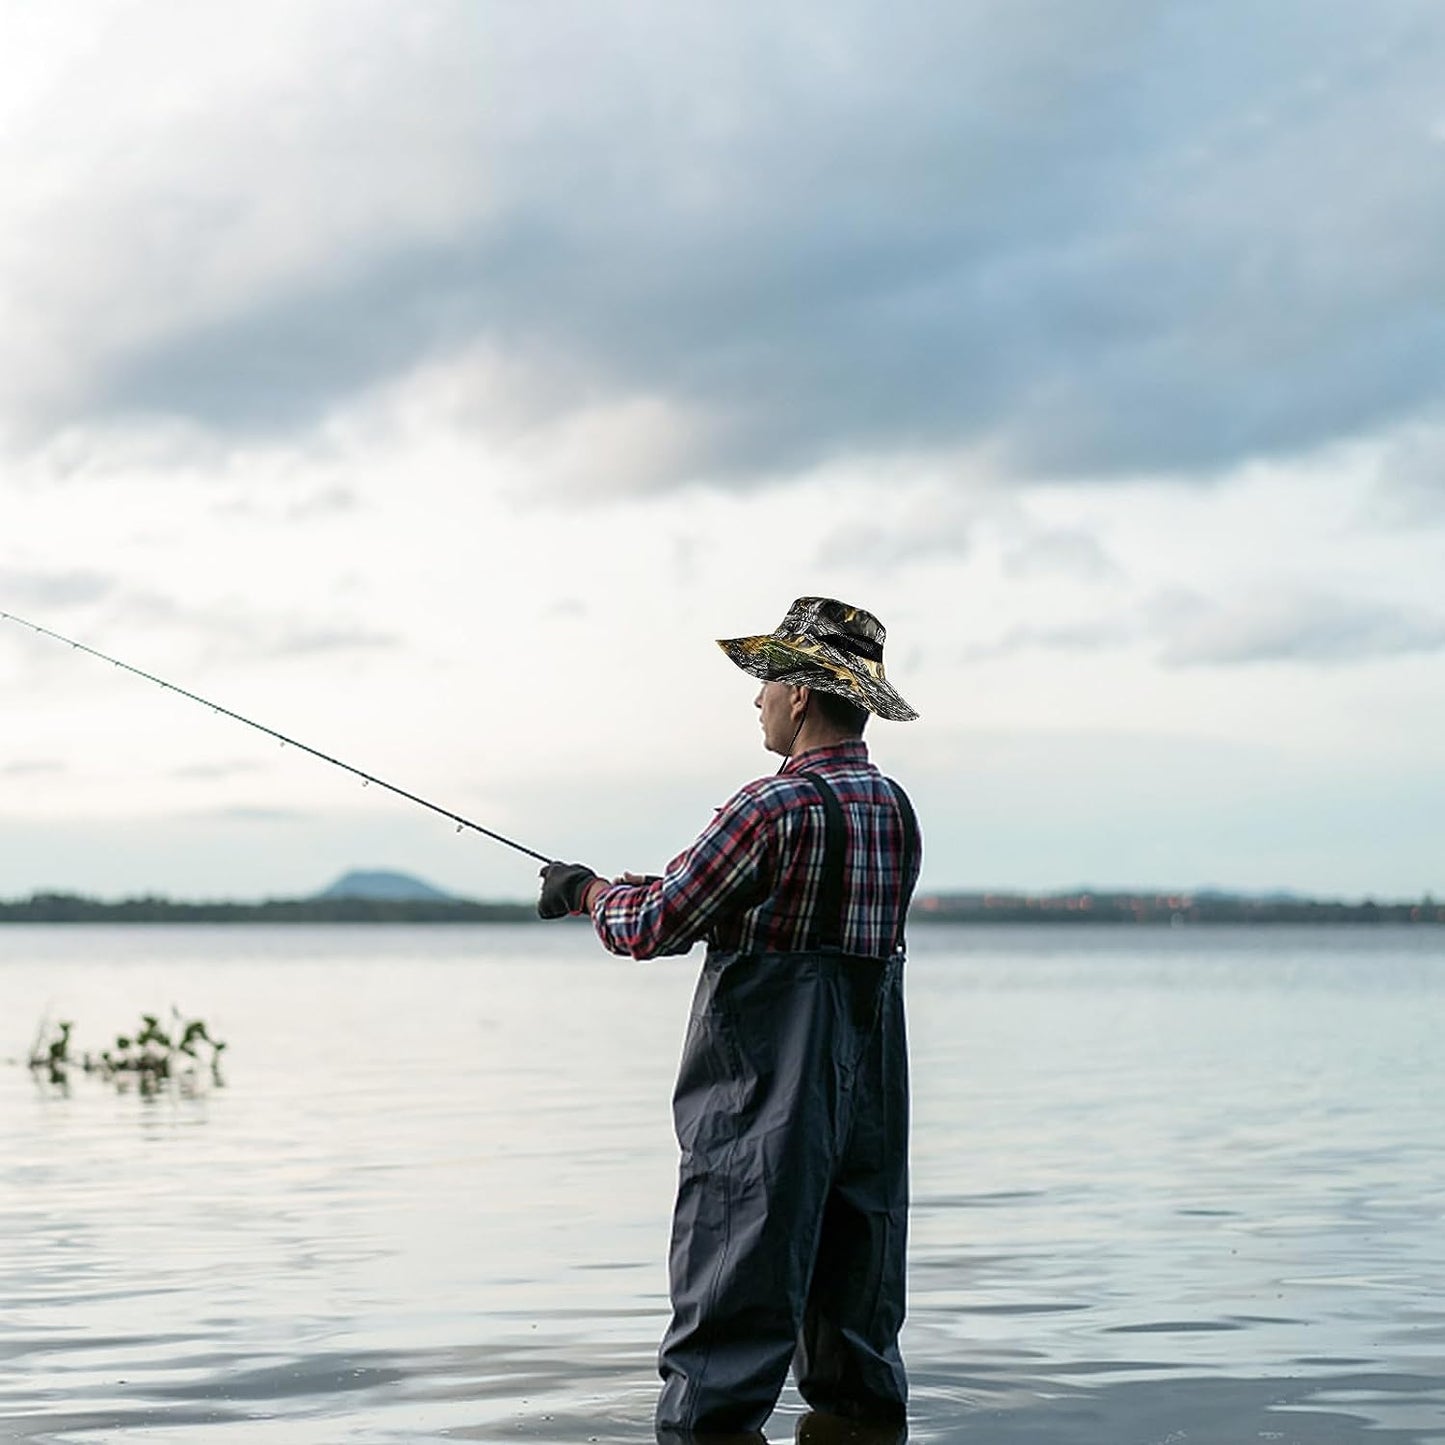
(813, 736)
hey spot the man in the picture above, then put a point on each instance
(791, 1105)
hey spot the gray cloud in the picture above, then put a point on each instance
(1409, 469)
(319, 504)
(1315, 629)
(207, 772)
(1104, 239)
(213, 632)
(1188, 630)
(926, 524)
(307, 640)
(1065, 550)
(32, 768)
(52, 588)
(944, 520)
(1091, 636)
(326, 502)
(236, 631)
(244, 814)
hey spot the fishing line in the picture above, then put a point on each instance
(285, 741)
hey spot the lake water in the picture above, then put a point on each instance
(1179, 1186)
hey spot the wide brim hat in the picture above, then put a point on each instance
(828, 646)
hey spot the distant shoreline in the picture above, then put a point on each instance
(1065, 909)
(71, 908)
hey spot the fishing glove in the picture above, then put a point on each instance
(562, 888)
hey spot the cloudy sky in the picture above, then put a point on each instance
(434, 381)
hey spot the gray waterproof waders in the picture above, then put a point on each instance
(790, 1229)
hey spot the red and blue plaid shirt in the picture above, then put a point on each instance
(750, 882)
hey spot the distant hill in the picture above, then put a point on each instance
(382, 885)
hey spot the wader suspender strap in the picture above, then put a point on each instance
(829, 931)
(910, 854)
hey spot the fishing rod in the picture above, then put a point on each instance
(285, 741)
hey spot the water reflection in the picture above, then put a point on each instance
(151, 1059)
(815, 1429)
(559, 1399)
(812, 1429)
(1156, 1195)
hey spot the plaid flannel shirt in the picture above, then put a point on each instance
(750, 882)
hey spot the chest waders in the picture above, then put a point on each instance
(790, 1228)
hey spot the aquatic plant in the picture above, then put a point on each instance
(148, 1058)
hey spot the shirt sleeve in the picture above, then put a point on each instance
(722, 872)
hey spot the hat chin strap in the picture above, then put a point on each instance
(796, 731)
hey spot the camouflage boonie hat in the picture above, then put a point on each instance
(825, 645)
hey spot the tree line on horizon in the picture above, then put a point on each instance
(78, 908)
(1059, 908)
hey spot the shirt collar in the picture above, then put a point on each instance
(854, 750)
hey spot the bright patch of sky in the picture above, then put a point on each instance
(434, 383)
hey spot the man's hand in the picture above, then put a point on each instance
(563, 888)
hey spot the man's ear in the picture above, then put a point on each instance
(801, 697)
